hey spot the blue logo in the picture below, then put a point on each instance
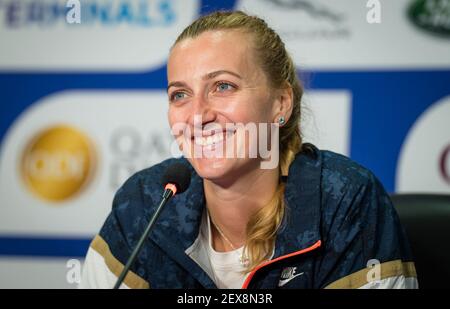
(46, 14)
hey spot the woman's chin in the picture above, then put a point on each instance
(212, 168)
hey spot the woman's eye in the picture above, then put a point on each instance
(177, 96)
(224, 87)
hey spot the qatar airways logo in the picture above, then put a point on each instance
(47, 13)
(230, 141)
(444, 164)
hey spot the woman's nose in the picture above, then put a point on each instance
(202, 113)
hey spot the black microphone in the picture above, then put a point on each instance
(176, 180)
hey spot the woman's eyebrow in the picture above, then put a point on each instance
(205, 77)
(175, 84)
(219, 72)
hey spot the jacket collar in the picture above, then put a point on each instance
(179, 224)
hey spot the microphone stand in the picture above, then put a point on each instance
(167, 194)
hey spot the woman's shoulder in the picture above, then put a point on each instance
(342, 181)
(338, 170)
(340, 167)
(347, 186)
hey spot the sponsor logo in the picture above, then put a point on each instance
(67, 36)
(58, 163)
(427, 169)
(288, 274)
(132, 149)
(310, 7)
(47, 13)
(444, 164)
(318, 22)
(431, 15)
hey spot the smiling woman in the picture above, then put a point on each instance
(316, 219)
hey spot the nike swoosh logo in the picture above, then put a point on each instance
(283, 282)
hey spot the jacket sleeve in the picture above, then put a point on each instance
(365, 245)
(110, 249)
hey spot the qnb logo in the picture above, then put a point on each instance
(48, 13)
(444, 164)
(58, 163)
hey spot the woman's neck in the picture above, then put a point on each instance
(231, 207)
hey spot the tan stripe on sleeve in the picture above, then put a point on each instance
(132, 280)
(388, 269)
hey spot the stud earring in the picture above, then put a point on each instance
(281, 121)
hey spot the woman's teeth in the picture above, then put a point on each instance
(209, 140)
(212, 139)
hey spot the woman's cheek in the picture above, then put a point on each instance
(176, 122)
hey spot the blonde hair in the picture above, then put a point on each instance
(280, 71)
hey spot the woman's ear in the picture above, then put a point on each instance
(283, 104)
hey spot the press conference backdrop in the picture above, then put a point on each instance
(83, 106)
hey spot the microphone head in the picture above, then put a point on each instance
(179, 175)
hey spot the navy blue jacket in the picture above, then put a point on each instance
(339, 231)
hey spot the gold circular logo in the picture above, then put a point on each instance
(58, 163)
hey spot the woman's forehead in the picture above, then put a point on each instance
(216, 37)
(224, 49)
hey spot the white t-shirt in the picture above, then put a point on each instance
(228, 269)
